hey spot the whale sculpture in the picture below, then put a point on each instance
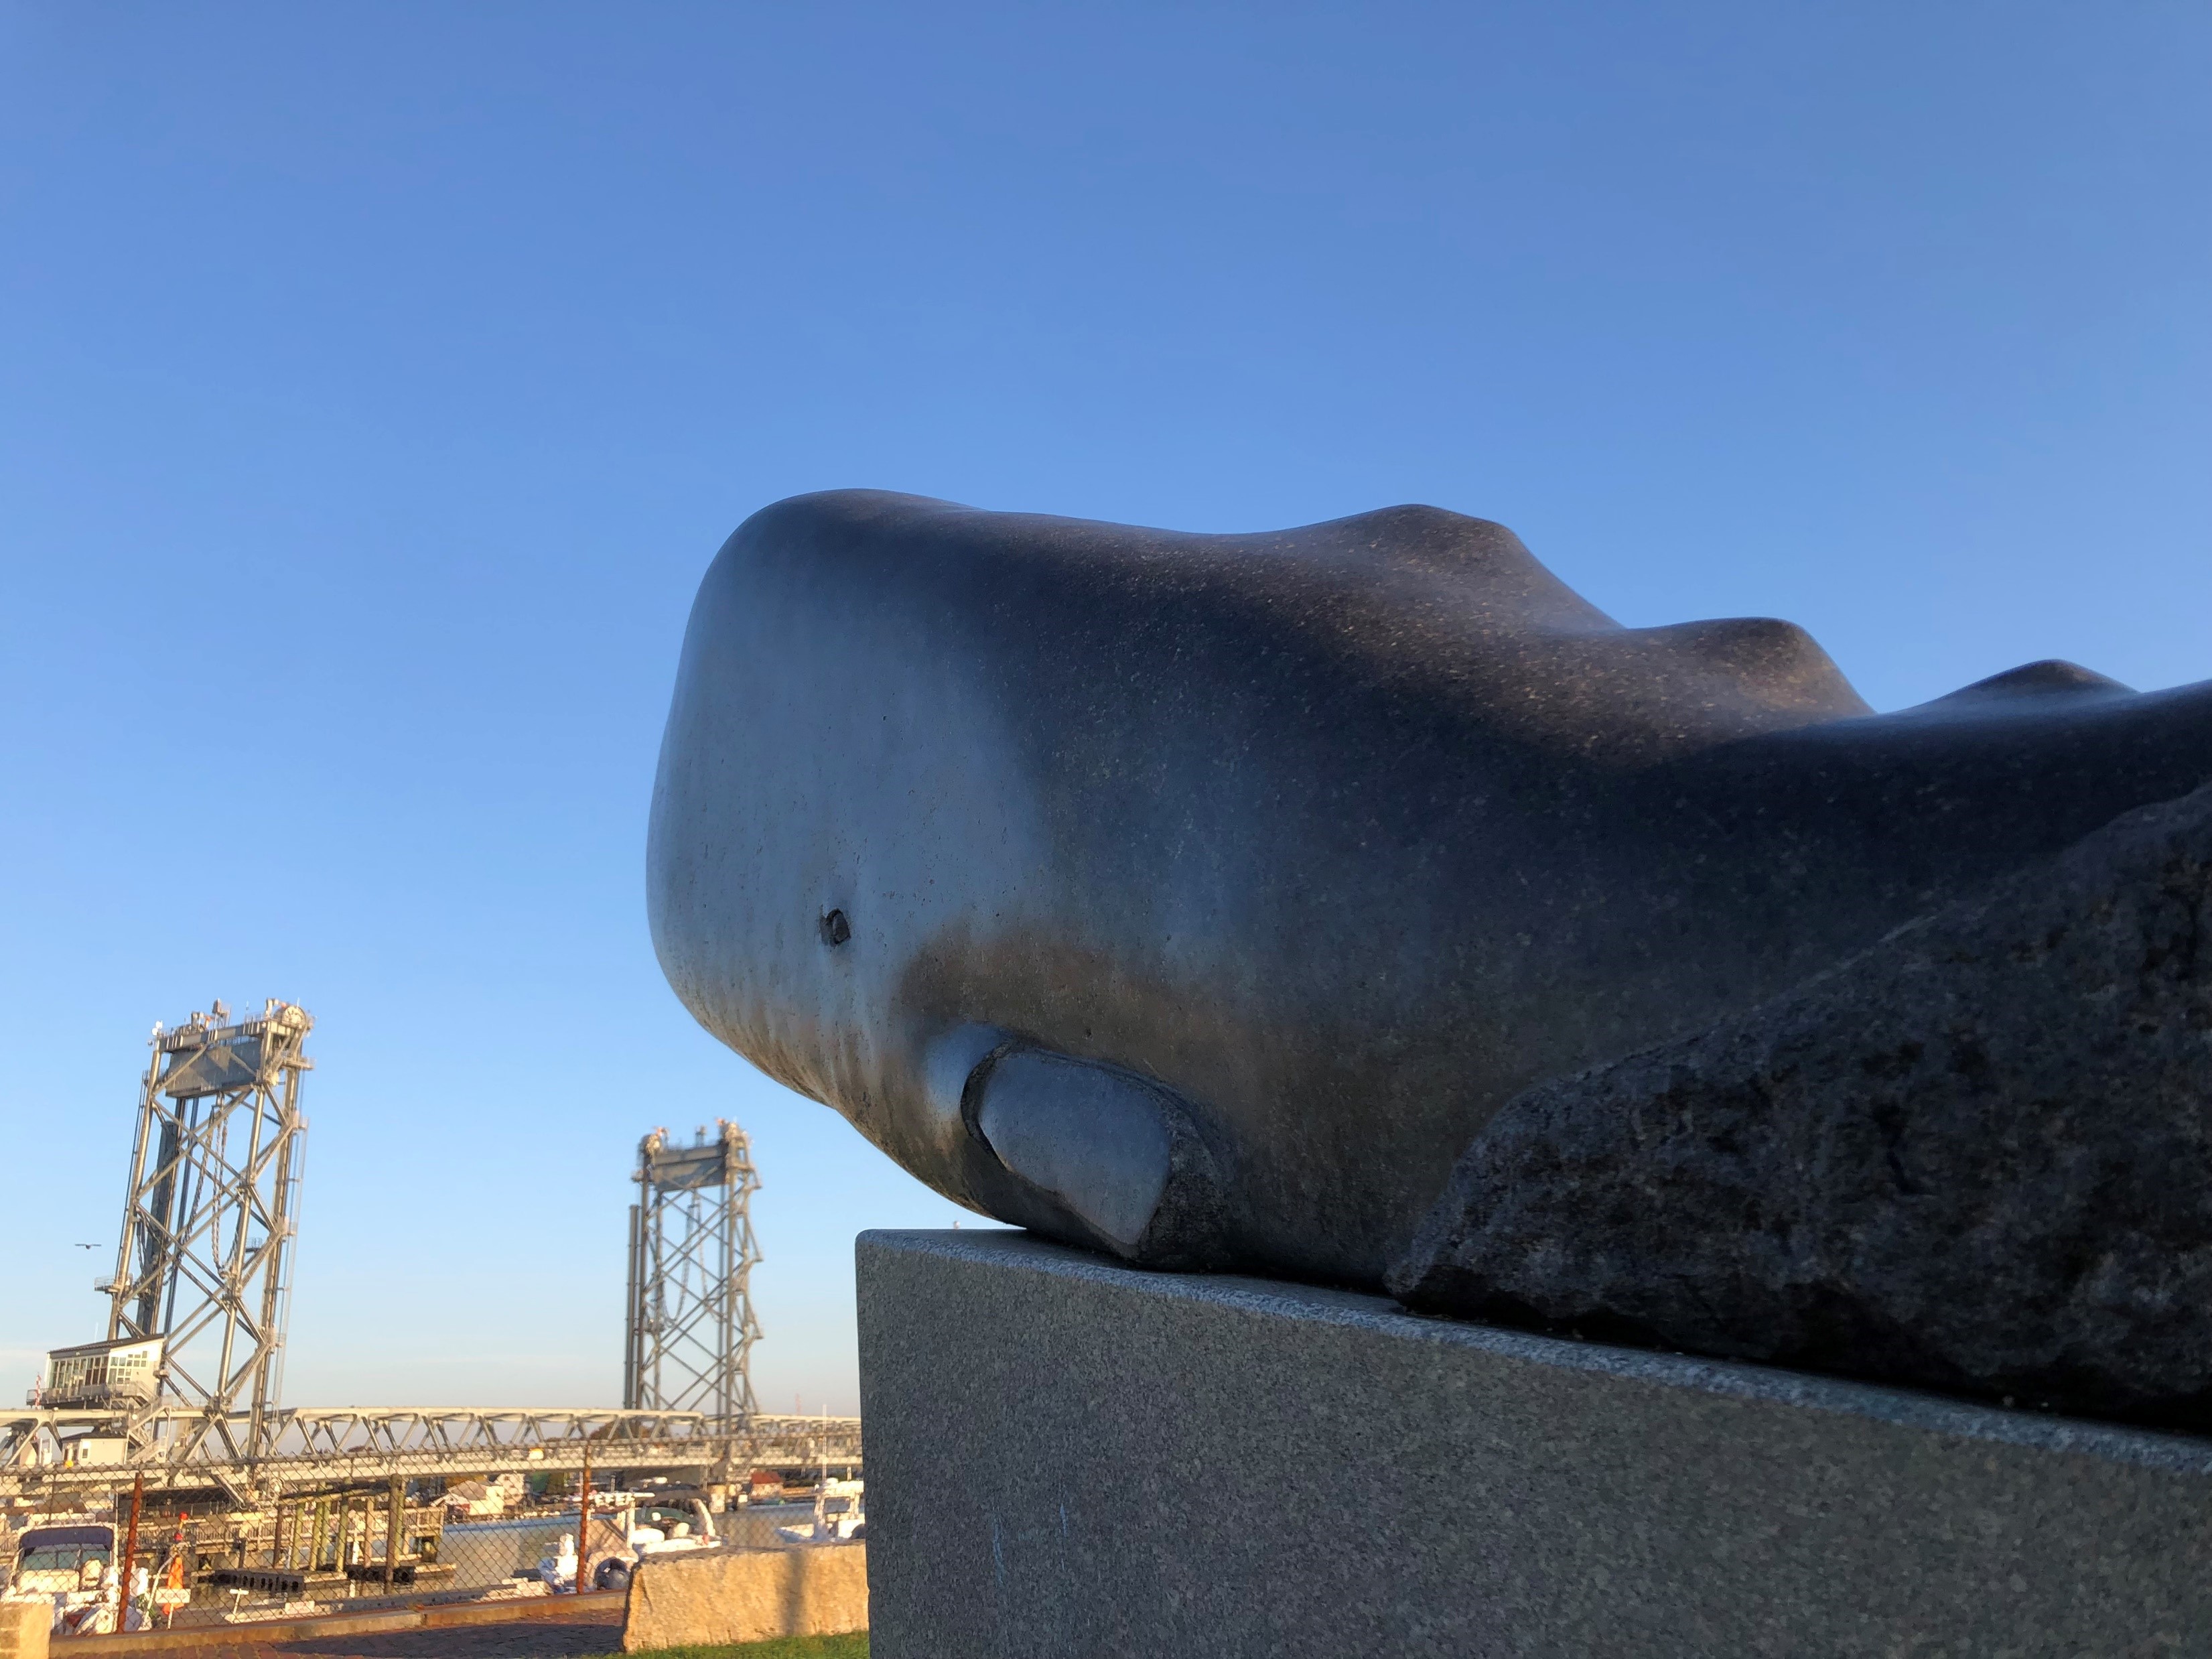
(1199, 898)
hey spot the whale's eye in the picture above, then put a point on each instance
(835, 930)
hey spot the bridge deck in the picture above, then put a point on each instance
(308, 1447)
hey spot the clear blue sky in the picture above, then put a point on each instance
(377, 381)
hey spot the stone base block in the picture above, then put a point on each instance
(746, 1595)
(1067, 1457)
(25, 1627)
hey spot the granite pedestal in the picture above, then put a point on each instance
(1067, 1457)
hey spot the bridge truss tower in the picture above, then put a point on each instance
(691, 1329)
(204, 1263)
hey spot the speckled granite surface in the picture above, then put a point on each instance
(1976, 1158)
(1067, 1457)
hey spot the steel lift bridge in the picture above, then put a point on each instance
(183, 1390)
(691, 1257)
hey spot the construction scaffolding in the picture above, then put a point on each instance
(202, 1289)
(690, 1326)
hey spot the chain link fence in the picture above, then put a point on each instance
(333, 1552)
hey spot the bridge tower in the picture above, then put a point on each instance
(691, 1329)
(204, 1267)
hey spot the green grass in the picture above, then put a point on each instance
(854, 1646)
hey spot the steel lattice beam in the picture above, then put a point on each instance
(691, 1326)
(204, 1256)
(328, 1447)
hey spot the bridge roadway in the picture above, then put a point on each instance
(308, 1448)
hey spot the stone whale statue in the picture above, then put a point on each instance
(1199, 898)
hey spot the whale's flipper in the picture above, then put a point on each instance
(1118, 1152)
